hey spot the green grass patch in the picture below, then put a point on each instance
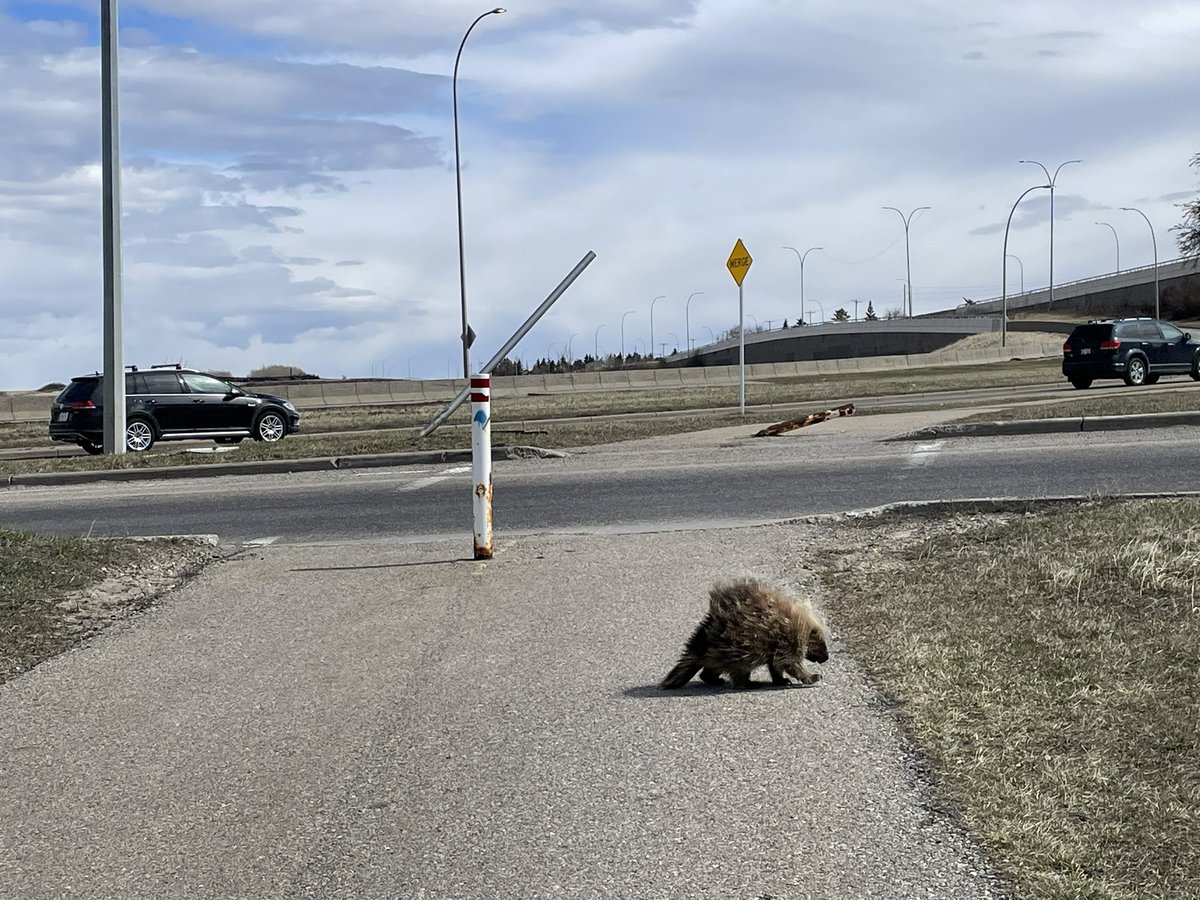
(1049, 667)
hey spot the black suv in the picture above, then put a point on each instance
(170, 403)
(1137, 350)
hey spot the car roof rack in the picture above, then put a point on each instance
(167, 366)
(131, 368)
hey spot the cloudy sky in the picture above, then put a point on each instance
(288, 168)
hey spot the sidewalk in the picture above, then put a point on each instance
(390, 720)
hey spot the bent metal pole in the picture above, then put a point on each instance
(481, 462)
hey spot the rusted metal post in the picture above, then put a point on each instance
(481, 462)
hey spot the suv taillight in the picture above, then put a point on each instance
(82, 404)
(1110, 345)
(1066, 347)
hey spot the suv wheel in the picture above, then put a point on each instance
(1081, 384)
(270, 427)
(139, 435)
(1135, 371)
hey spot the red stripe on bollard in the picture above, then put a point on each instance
(479, 398)
(481, 382)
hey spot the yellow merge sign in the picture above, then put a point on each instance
(739, 262)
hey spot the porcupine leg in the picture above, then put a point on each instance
(710, 675)
(777, 678)
(741, 678)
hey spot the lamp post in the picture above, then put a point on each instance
(113, 391)
(1021, 266)
(629, 313)
(1004, 266)
(711, 337)
(687, 322)
(652, 302)
(1050, 179)
(907, 220)
(756, 325)
(570, 342)
(596, 355)
(1154, 242)
(467, 335)
(821, 306)
(802, 257)
(1117, 239)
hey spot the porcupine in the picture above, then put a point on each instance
(749, 624)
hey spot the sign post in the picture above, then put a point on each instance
(739, 264)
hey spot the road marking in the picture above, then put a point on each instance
(262, 542)
(923, 454)
(432, 479)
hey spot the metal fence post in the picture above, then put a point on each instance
(481, 462)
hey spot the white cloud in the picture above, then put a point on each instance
(289, 184)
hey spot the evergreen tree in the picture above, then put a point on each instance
(871, 317)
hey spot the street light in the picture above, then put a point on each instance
(1004, 265)
(802, 257)
(652, 302)
(467, 335)
(1155, 243)
(629, 313)
(711, 337)
(1117, 239)
(570, 341)
(1050, 180)
(597, 353)
(907, 258)
(687, 322)
(1020, 265)
(821, 306)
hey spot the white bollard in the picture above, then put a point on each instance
(481, 462)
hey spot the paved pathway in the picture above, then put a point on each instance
(393, 721)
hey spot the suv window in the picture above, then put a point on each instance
(80, 390)
(158, 383)
(1091, 333)
(204, 384)
(1139, 331)
(1170, 332)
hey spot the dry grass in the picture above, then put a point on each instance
(1049, 666)
(37, 573)
(1118, 404)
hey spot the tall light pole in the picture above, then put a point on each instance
(570, 342)
(802, 257)
(1021, 266)
(821, 306)
(1117, 239)
(1050, 179)
(629, 313)
(687, 322)
(1004, 265)
(597, 348)
(652, 302)
(907, 220)
(113, 391)
(1154, 242)
(468, 336)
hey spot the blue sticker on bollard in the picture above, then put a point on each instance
(480, 418)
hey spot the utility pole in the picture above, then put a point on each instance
(113, 395)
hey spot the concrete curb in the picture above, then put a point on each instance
(987, 505)
(278, 466)
(1051, 426)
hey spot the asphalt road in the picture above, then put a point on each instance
(719, 477)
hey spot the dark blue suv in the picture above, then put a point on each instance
(1137, 350)
(170, 403)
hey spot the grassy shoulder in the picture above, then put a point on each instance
(52, 597)
(1048, 665)
(1123, 403)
